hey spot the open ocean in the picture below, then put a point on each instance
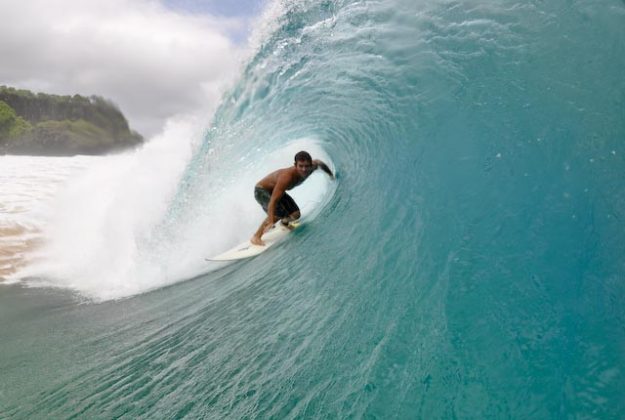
(469, 261)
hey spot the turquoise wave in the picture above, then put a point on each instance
(468, 265)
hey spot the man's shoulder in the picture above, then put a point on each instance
(285, 175)
(290, 171)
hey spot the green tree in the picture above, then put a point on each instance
(61, 125)
(11, 125)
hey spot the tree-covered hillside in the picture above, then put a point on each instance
(42, 124)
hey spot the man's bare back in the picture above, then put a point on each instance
(271, 194)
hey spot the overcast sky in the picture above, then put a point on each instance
(154, 58)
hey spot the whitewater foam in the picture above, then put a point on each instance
(94, 225)
(121, 227)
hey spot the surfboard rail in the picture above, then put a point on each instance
(247, 249)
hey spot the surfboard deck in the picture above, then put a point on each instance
(247, 249)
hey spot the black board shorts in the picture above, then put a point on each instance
(284, 207)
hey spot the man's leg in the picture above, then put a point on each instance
(290, 208)
(262, 197)
(261, 229)
(290, 219)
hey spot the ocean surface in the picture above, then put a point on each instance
(468, 262)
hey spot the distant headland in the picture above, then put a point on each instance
(53, 125)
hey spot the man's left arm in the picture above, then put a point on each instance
(319, 164)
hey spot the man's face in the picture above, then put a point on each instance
(304, 167)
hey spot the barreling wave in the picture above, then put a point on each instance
(467, 263)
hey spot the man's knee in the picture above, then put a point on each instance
(291, 218)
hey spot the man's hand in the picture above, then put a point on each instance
(319, 164)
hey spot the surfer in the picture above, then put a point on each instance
(270, 192)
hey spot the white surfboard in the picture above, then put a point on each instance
(247, 249)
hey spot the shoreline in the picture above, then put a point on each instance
(17, 242)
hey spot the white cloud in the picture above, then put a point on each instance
(150, 60)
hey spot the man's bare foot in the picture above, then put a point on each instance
(257, 241)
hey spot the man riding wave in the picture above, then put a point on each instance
(270, 192)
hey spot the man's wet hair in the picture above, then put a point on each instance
(303, 156)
